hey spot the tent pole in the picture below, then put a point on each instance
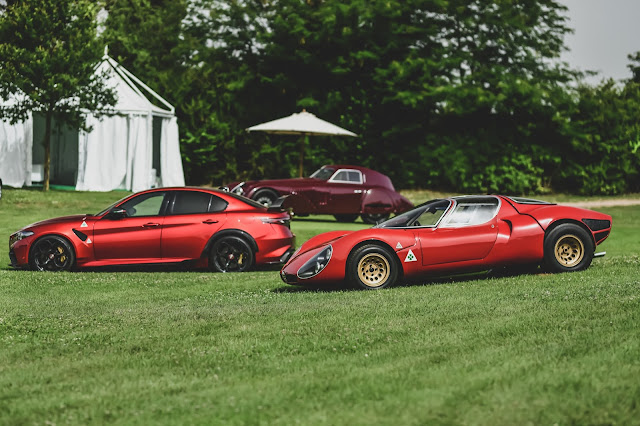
(301, 155)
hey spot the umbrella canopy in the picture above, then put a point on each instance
(302, 123)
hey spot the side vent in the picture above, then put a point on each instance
(597, 224)
(80, 235)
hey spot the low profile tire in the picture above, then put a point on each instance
(346, 218)
(266, 197)
(372, 267)
(231, 254)
(51, 253)
(568, 248)
(374, 218)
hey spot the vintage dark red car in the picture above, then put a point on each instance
(345, 192)
(453, 235)
(207, 227)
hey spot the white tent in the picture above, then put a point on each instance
(134, 149)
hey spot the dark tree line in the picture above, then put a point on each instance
(463, 95)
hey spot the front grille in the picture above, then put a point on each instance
(597, 224)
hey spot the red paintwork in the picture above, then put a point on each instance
(515, 235)
(316, 196)
(164, 238)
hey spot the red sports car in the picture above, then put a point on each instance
(453, 235)
(345, 192)
(212, 228)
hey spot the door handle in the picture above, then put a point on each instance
(209, 221)
(150, 225)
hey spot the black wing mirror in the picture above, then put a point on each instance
(117, 214)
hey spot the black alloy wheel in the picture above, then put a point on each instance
(231, 254)
(374, 218)
(266, 197)
(51, 253)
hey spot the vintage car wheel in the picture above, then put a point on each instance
(51, 253)
(372, 267)
(266, 197)
(231, 254)
(373, 218)
(568, 248)
(346, 218)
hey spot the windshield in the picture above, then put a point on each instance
(323, 173)
(426, 214)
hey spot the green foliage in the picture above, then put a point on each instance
(48, 52)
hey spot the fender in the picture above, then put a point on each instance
(226, 233)
(377, 200)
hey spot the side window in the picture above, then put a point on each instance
(347, 176)
(430, 216)
(144, 205)
(217, 204)
(472, 214)
(341, 176)
(191, 202)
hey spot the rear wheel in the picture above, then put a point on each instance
(231, 254)
(266, 197)
(372, 267)
(346, 218)
(568, 248)
(51, 253)
(373, 218)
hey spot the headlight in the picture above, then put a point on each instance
(316, 264)
(14, 238)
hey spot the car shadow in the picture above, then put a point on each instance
(439, 280)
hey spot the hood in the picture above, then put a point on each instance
(75, 219)
(322, 239)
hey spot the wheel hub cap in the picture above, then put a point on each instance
(569, 251)
(373, 270)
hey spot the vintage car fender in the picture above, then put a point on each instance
(377, 200)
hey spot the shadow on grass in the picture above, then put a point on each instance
(417, 282)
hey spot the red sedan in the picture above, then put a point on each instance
(345, 192)
(211, 228)
(454, 235)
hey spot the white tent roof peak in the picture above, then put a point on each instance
(130, 96)
(301, 123)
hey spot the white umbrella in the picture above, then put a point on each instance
(303, 123)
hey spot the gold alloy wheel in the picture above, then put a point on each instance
(373, 270)
(569, 251)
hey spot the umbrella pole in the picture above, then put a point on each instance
(301, 168)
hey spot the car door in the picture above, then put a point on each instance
(345, 192)
(468, 232)
(192, 218)
(134, 234)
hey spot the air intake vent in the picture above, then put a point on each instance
(597, 224)
(80, 235)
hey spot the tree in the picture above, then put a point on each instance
(48, 53)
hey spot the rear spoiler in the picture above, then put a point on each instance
(279, 205)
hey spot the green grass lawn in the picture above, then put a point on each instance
(202, 348)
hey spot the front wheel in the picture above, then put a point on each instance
(374, 218)
(51, 253)
(568, 248)
(231, 254)
(372, 267)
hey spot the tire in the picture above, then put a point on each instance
(51, 253)
(374, 218)
(372, 267)
(266, 197)
(231, 254)
(346, 218)
(568, 248)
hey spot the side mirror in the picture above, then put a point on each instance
(117, 214)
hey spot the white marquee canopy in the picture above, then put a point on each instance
(121, 151)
